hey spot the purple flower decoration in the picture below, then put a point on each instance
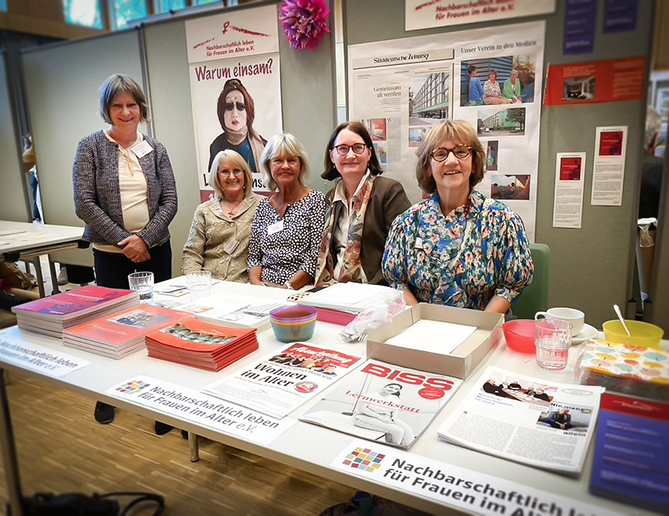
(304, 22)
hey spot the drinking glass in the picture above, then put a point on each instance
(199, 284)
(142, 282)
(552, 338)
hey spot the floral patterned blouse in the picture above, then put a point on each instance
(463, 259)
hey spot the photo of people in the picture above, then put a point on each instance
(139, 319)
(506, 187)
(504, 122)
(236, 112)
(511, 389)
(381, 149)
(492, 148)
(416, 135)
(497, 81)
(562, 417)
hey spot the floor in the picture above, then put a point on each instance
(62, 449)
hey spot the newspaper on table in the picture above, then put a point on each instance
(384, 402)
(233, 310)
(533, 421)
(279, 383)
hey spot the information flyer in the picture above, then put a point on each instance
(235, 86)
(569, 185)
(403, 88)
(609, 167)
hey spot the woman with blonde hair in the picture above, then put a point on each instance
(221, 231)
(288, 226)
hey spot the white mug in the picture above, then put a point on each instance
(575, 317)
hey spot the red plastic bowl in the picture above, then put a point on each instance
(519, 335)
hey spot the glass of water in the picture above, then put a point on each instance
(142, 283)
(199, 284)
(552, 338)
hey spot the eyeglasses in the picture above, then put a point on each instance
(228, 173)
(460, 152)
(342, 150)
(229, 106)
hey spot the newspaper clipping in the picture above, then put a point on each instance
(529, 420)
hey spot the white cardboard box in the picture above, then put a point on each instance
(458, 363)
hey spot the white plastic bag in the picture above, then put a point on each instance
(381, 311)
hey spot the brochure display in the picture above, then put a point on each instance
(383, 402)
(198, 344)
(537, 422)
(121, 334)
(51, 315)
(284, 380)
(631, 452)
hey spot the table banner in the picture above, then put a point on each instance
(45, 361)
(202, 409)
(474, 492)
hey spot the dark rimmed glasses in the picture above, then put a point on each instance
(358, 148)
(229, 106)
(460, 152)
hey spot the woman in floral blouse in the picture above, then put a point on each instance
(457, 247)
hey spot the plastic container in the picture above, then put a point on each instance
(293, 323)
(519, 335)
(644, 334)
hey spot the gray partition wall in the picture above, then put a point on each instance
(591, 267)
(63, 81)
(14, 204)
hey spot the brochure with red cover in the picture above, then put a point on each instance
(122, 330)
(197, 343)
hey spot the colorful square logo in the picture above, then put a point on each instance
(132, 387)
(364, 459)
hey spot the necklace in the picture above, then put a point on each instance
(231, 208)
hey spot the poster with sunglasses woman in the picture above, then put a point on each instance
(236, 112)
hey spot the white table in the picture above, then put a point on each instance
(289, 448)
(26, 241)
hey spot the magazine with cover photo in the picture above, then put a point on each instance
(384, 402)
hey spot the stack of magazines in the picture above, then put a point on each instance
(120, 334)
(52, 315)
(196, 343)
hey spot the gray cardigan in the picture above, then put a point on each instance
(97, 195)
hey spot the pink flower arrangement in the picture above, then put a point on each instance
(304, 22)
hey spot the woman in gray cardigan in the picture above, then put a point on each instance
(124, 190)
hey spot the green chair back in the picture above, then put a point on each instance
(535, 297)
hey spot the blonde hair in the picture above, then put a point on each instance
(236, 159)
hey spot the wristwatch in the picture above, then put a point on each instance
(288, 285)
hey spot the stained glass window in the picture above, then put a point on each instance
(203, 2)
(87, 13)
(126, 11)
(165, 6)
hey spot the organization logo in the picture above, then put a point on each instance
(364, 459)
(132, 387)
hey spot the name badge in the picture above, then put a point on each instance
(231, 246)
(275, 228)
(419, 243)
(142, 149)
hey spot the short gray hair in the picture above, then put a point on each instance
(653, 127)
(283, 144)
(119, 83)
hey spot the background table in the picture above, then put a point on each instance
(27, 241)
(309, 447)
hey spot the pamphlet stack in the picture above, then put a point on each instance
(52, 315)
(122, 333)
(196, 343)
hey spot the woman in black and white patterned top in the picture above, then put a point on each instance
(288, 226)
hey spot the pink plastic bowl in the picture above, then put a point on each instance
(519, 335)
